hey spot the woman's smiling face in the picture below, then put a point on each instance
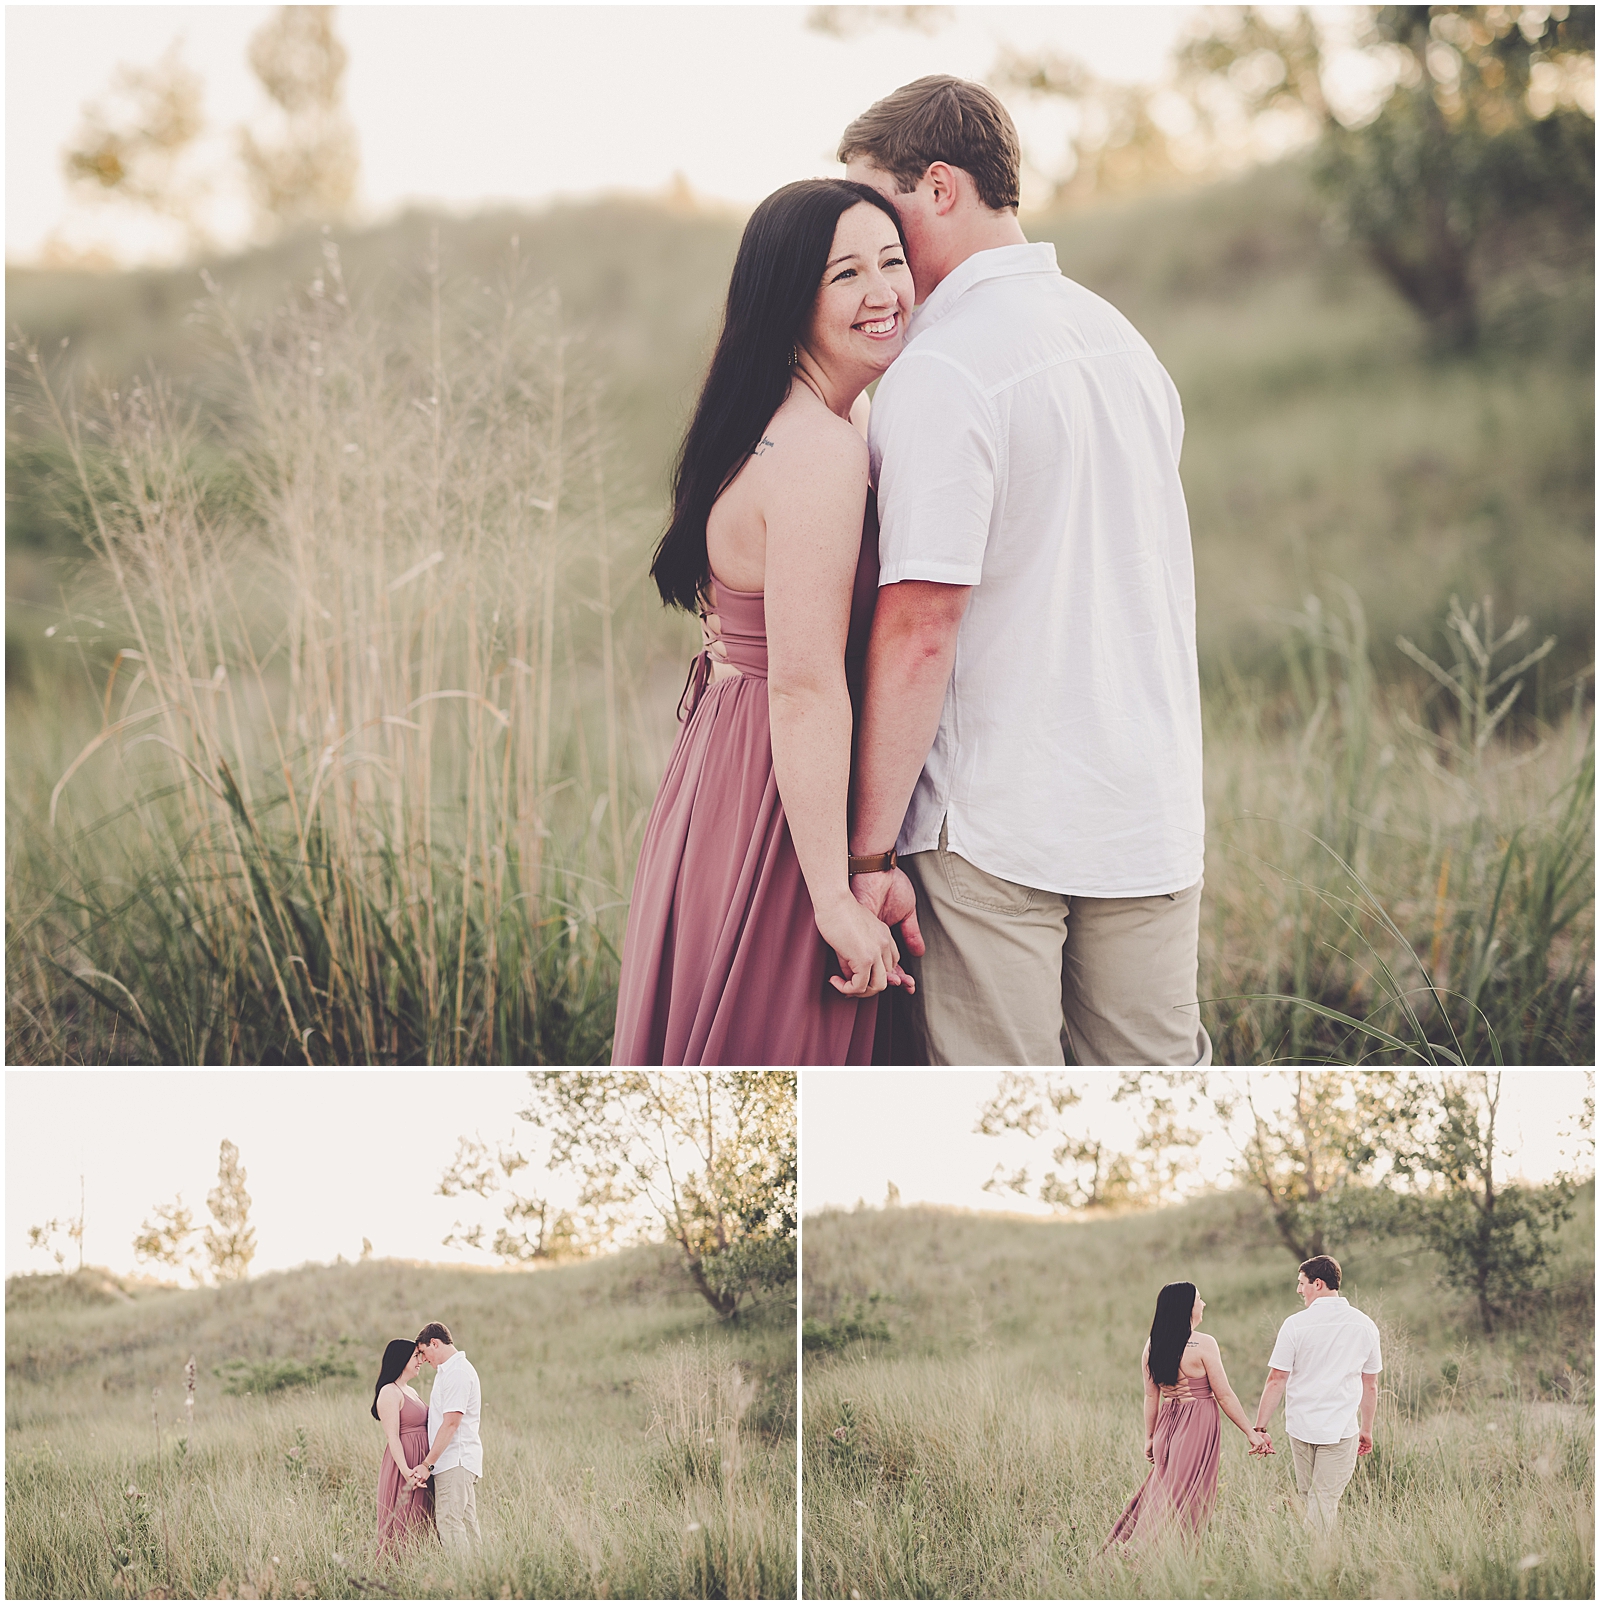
(865, 297)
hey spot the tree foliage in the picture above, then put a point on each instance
(230, 1241)
(1482, 116)
(307, 174)
(1306, 1143)
(167, 1237)
(1493, 1236)
(1087, 1172)
(136, 141)
(710, 1157)
(534, 1229)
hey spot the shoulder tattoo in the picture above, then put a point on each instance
(765, 442)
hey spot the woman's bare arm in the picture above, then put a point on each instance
(1152, 1403)
(813, 496)
(389, 1403)
(1211, 1354)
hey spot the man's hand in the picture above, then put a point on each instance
(1264, 1444)
(889, 894)
(1364, 1444)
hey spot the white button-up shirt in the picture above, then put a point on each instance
(1026, 443)
(455, 1387)
(1326, 1348)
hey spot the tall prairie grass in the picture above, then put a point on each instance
(1390, 877)
(594, 1378)
(984, 1443)
(354, 795)
(373, 697)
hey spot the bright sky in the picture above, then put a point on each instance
(464, 105)
(862, 1129)
(330, 1156)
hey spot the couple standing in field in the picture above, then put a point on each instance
(948, 682)
(1327, 1357)
(434, 1455)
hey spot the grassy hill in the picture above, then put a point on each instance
(1364, 851)
(1323, 440)
(633, 1445)
(973, 1426)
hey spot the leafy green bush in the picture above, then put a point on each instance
(274, 1375)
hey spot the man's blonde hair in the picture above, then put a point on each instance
(941, 119)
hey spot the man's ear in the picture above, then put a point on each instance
(944, 181)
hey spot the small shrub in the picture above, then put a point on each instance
(274, 1375)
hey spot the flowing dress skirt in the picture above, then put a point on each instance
(723, 963)
(1182, 1484)
(405, 1515)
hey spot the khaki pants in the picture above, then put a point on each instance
(1014, 975)
(455, 1509)
(1321, 1473)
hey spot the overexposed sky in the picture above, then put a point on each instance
(467, 105)
(330, 1156)
(862, 1129)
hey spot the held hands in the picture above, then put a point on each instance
(1260, 1441)
(890, 895)
(418, 1476)
(865, 948)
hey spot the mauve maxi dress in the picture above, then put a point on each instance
(722, 962)
(1183, 1480)
(404, 1514)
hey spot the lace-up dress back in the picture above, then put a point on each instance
(1182, 1484)
(722, 962)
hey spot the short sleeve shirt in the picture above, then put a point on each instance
(455, 1387)
(1026, 443)
(1326, 1348)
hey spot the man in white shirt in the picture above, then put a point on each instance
(1328, 1357)
(455, 1450)
(1029, 743)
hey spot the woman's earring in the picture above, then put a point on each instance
(794, 356)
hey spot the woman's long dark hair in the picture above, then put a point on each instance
(1170, 1331)
(774, 286)
(396, 1357)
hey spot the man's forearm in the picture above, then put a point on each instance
(1369, 1409)
(909, 659)
(1270, 1396)
(442, 1442)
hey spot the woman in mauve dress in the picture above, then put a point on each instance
(1184, 1385)
(405, 1513)
(744, 945)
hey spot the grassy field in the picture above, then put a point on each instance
(351, 628)
(633, 1446)
(973, 1420)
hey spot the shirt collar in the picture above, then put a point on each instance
(1001, 262)
(1335, 1299)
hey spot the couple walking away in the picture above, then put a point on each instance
(948, 682)
(1327, 1356)
(429, 1478)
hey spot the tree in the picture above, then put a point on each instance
(1120, 141)
(1307, 1155)
(168, 1236)
(308, 173)
(43, 1238)
(1493, 1236)
(534, 1229)
(136, 141)
(231, 1242)
(1088, 1173)
(710, 1156)
(1475, 118)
